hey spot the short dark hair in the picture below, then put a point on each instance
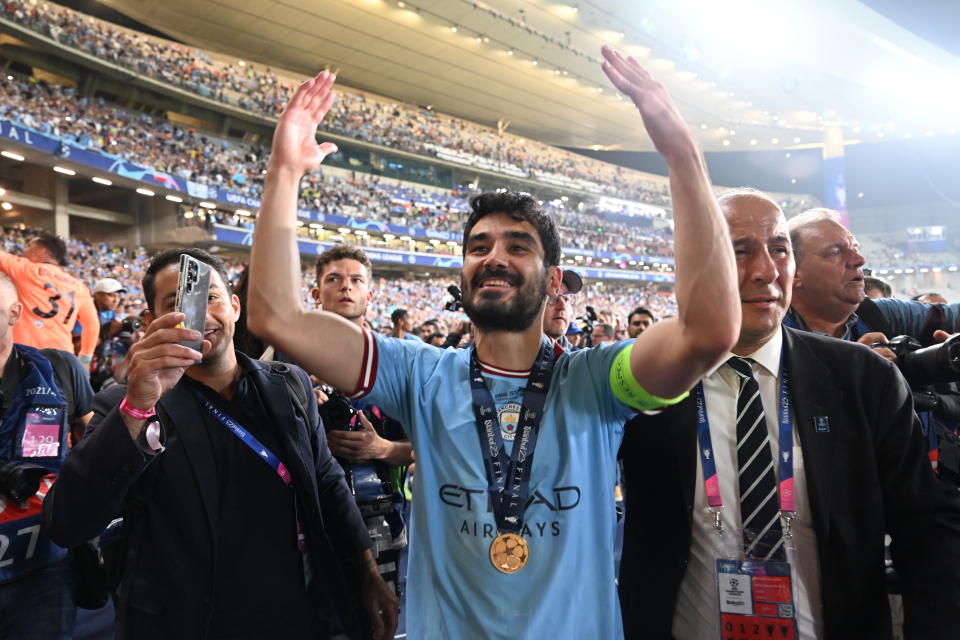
(172, 256)
(398, 315)
(53, 245)
(643, 311)
(606, 329)
(343, 252)
(873, 282)
(519, 206)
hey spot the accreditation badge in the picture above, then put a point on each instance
(756, 600)
(41, 432)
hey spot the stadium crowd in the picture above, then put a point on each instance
(355, 115)
(199, 157)
(91, 262)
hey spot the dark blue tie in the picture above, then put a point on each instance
(759, 503)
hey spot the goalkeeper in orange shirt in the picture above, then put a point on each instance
(53, 300)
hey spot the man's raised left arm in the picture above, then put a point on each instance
(671, 356)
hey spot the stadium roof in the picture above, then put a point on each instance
(749, 74)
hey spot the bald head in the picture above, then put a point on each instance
(743, 197)
(761, 243)
(10, 308)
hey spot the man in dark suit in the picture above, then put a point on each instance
(859, 472)
(238, 522)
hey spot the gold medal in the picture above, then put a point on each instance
(509, 553)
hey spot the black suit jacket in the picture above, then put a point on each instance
(867, 476)
(170, 505)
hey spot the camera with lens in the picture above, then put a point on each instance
(337, 412)
(129, 326)
(457, 303)
(20, 480)
(588, 319)
(925, 366)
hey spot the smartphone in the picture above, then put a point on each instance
(192, 290)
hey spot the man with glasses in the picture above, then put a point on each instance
(556, 319)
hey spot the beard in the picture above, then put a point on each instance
(490, 314)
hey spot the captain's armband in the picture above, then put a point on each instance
(629, 391)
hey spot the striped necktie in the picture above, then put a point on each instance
(759, 502)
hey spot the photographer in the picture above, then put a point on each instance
(110, 361)
(829, 298)
(371, 447)
(556, 319)
(44, 393)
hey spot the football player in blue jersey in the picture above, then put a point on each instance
(503, 546)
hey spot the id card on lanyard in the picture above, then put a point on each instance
(755, 597)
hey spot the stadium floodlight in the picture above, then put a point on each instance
(242, 212)
(102, 181)
(207, 205)
(7, 206)
(173, 198)
(65, 171)
(145, 192)
(388, 236)
(3, 191)
(12, 155)
(344, 230)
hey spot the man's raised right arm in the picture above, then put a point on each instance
(323, 343)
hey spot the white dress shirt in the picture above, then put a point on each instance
(697, 615)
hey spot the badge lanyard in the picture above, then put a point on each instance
(268, 457)
(788, 507)
(508, 478)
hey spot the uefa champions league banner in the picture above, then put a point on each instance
(114, 164)
(80, 154)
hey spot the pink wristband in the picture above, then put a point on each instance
(133, 412)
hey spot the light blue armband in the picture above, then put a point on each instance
(629, 391)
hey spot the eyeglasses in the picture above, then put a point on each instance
(568, 299)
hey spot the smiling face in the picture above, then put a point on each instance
(343, 288)
(504, 279)
(761, 243)
(223, 309)
(829, 271)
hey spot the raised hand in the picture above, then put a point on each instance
(295, 145)
(662, 119)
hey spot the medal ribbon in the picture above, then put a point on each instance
(508, 478)
(261, 452)
(788, 505)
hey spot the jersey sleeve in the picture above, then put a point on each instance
(88, 317)
(82, 391)
(590, 369)
(392, 374)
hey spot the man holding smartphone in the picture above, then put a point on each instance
(237, 521)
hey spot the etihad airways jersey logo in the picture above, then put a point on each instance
(557, 499)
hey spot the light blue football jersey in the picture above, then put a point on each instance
(567, 589)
